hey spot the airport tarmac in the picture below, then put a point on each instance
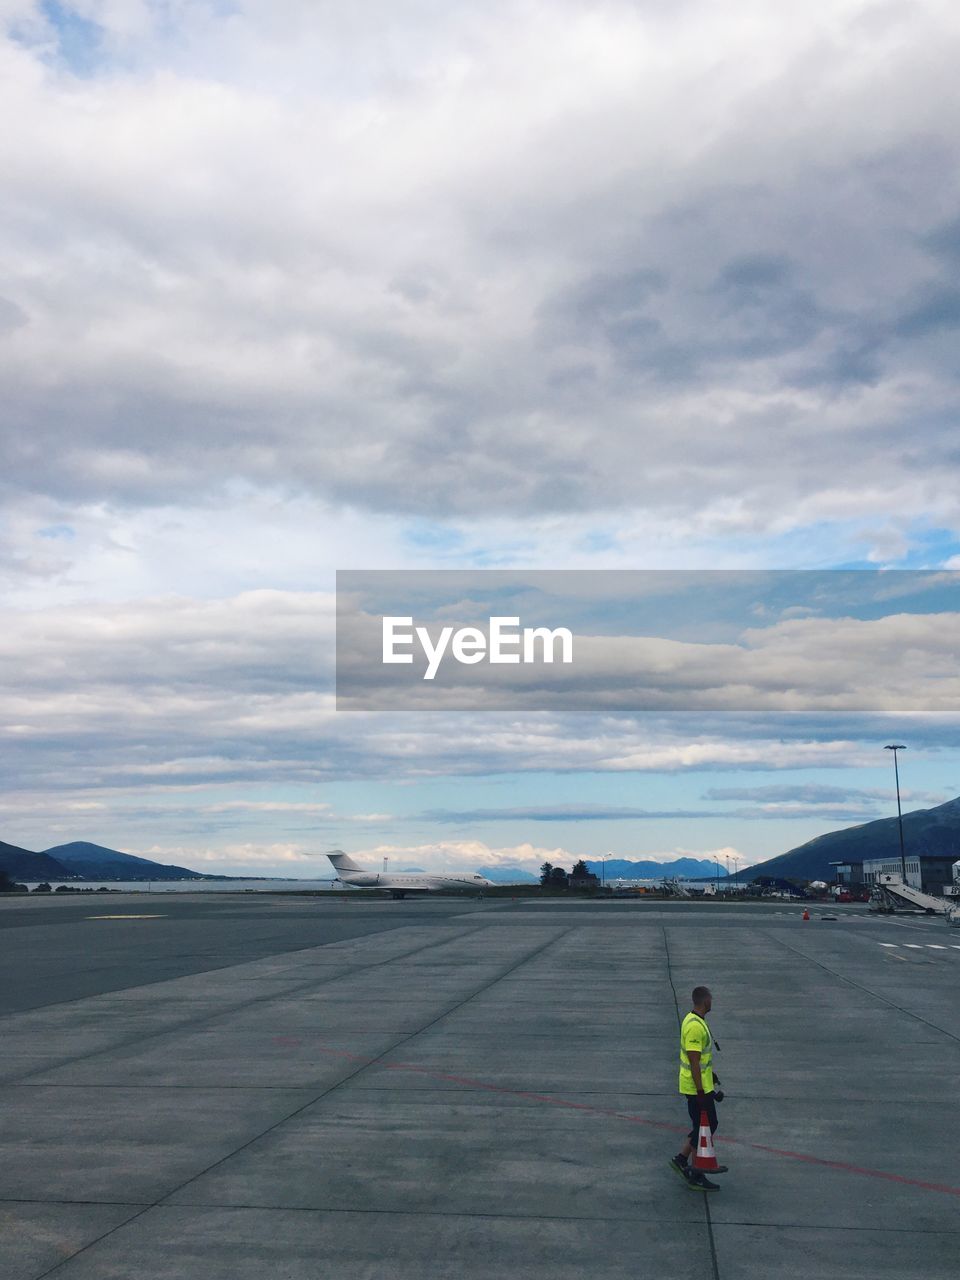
(210, 1087)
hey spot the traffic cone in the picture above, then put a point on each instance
(705, 1158)
(806, 914)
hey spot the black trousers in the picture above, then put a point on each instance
(695, 1105)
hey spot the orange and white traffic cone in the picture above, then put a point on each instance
(806, 914)
(705, 1158)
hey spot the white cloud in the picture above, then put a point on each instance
(265, 806)
(290, 859)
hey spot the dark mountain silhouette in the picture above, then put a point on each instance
(925, 831)
(22, 864)
(94, 862)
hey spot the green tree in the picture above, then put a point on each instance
(545, 873)
(558, 878)
(580, 869)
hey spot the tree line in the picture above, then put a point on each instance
(557, 878)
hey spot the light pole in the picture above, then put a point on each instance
(717, 861)
(895, 747)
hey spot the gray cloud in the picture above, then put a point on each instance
(819, 793)
(944, 241)
(937, 310)
(563, 813)
(416, 290)
(770, 811)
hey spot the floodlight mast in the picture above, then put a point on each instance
(895, 747)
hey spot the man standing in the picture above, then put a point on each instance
(697, 1085)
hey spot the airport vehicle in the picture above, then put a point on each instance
(351, 875)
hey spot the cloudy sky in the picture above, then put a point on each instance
(289, 286)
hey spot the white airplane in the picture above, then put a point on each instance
(356, 877)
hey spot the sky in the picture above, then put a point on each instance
(289, 287)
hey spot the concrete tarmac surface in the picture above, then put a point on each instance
(240, 1087)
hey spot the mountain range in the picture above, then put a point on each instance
(21, 864)
(80, 860)
(925, 831)
(650, 869)
(508, 875)
(933, 831)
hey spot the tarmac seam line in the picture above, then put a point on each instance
(196, 973)
(828, 1226)
(160, 1202)
(423, 1213)
(365, 1064)
(193, 1023)
(875, 995)
(103, 1236)
(95, 1204)
(566, 1103)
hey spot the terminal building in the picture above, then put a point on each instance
(930, 873)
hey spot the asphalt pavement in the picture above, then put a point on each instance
(200, 1088)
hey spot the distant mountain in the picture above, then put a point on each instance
(624, 869)
(94, 862)
(21, 864)
(925, 831)
(508, 875)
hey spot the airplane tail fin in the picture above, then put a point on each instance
(343, 862)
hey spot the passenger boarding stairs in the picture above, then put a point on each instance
(674, 889)
(890, 892)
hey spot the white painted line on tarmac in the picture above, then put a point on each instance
(126, 917)
(889, 944)
(914, 946)
(935, 946)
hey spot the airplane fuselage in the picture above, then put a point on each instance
(378, 880)
(353, 876)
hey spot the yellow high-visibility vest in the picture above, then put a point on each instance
(695, 1034)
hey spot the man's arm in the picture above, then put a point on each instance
(694, 1056)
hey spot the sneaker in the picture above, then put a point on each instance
(699, 1182)
(721, 1168)
(681, 1167)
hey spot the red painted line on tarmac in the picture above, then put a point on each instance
(567, 1104)
(842, 1165)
